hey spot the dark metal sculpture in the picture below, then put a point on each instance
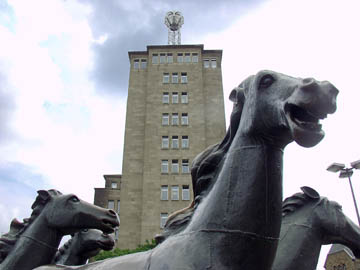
(8, 240)
(83, 245)
(308, 222)
(53, 216)
(237, 224)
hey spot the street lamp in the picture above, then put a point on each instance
(347, 173)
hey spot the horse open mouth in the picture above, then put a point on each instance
(305, 126)
(108, 245)
(109, 226)
(304, 118)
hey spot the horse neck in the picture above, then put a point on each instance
(36, 246)
(299, 247)
(247, 195)
(71, 254)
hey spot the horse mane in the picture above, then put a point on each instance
(205, 165)
(62, 250)
(298, 200)
(9, 240)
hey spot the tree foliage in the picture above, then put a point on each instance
(120, 252)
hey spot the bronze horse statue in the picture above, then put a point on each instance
(83, 245)
(54, 215)
(8, 240)
(310, 221)
(237, 224)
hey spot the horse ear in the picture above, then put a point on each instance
(44, 194)
(310, 192)
(232, 96)
(237, 95)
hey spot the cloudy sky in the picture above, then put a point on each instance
(64, 74)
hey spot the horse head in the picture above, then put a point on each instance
(8, 240)
(83, 245)
(282, 109)
(337, 227)
(91, 241)
(69, 214)
(324, 216)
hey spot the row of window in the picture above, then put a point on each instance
(175, 77)
(168, 58)
(140, 63)
(165, 142)
(175, 119)
(175, 98)
(111, 205)
(175, 168)
(175, 194)
(210, 63)
(163, 58)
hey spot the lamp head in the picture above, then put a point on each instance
(346, 173)
(335, 167)
(355, 164)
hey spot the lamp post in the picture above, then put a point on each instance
(347, 173)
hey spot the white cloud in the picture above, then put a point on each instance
(65, 132)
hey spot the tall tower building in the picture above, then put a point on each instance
(175, 109)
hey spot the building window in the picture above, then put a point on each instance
(162, 58)
(163, 218)
(165, 119)
(111, 205)
(184, 77)
(155, 59)
(165, 142)
(185, 166)
(118, 206)
(175, 142)
(213, 63)
(166, 78)
(195, 58)
(206, 63)
(174, 78)
(165, 98)
(187, 58)
(180, 57)
(175, 98)
(175, 166)
(184, 98)
(185, 193)
(175, 119)
(184, 119)
(185, 142)
(143, 63)
(113, 185)
(170, 58)
(136, 64)
(164, 193)
(164, 166)
(175, 193)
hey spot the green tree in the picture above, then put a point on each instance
(120, 252)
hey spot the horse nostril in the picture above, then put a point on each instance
(111, 213)
(309, 83)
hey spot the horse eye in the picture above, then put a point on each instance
(74, 199)
(266, 81)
